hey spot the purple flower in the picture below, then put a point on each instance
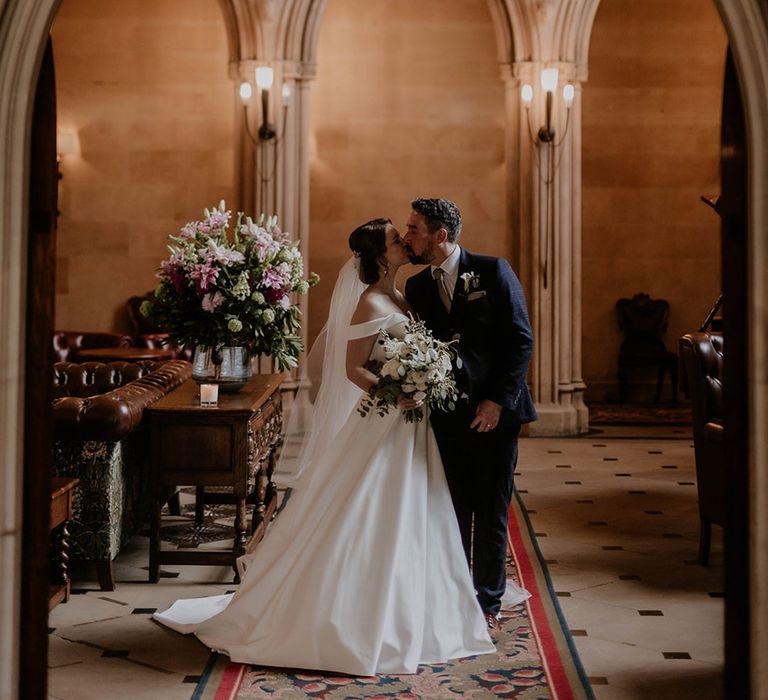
(173, 271)
(273, 295)
(204, 275)
(285, 302)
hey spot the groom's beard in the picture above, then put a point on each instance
(424, 258)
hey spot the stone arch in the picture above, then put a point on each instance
(24, 27)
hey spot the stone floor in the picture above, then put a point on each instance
(616, 519)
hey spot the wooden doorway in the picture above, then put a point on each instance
(733, 211)
(41, 294)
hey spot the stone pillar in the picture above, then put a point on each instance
(544, 182)
(274, 174)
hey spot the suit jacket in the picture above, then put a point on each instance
(489, 314)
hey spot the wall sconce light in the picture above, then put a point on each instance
(266, 161)
(549, 78)
(545, 137)
(265, 77)
(67, 144)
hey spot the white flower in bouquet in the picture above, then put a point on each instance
(417, 367)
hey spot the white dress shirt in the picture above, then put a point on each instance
(450, 268)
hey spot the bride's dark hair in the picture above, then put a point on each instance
(369, 244)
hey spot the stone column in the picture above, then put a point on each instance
(544, 183)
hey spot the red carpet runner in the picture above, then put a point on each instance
(535, 654)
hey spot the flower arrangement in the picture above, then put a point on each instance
(231, 286)
(416, 367)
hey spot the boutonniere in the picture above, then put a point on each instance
(471, 281)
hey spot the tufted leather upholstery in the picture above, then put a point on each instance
(97, 411)
(95, 401)
(702, 361)
(66, 344)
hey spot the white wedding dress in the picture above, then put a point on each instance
(363, 572)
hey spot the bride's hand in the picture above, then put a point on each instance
(405, 404)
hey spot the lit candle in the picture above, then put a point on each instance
(209, 395)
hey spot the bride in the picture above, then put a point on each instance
(364, 572)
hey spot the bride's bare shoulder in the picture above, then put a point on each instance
(370, 306)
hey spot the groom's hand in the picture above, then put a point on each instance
(487, 416)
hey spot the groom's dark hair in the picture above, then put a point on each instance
(439, 213)
(369, 244)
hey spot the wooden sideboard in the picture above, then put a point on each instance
(232, 445)
(61, 513)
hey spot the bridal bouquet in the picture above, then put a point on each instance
(227, 285)
(417, 367)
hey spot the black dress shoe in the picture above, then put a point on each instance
(492, 622)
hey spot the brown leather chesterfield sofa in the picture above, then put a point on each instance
(101, 438)
(701, 357)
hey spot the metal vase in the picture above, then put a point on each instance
(230, 368)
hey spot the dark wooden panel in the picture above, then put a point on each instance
(197, 447)
(38, 420)
(732, 206)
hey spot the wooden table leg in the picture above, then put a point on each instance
(241, 527)
(271, 486)
(154, 541)
(60, 556)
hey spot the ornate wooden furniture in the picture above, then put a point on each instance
(61, 514)
(232, 444)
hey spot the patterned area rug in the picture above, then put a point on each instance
(535, 655)
(639, 414)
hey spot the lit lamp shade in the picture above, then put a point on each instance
(549, 79)
(568, 93)
(66, 142)
(246, 91)
(265, 76)
(526, 94)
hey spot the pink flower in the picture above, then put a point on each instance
(212, 301)
(172, 270)
(221, 253)
(276, 277)
(204, 275)
(189, 230)
(215, 221)
(285, 302)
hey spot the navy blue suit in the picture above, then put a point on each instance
(495, 347)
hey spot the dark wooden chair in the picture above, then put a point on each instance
(643, 321)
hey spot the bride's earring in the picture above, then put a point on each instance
(386, 270)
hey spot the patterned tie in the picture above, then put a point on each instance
(442, 289)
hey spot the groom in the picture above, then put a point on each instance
(479, 299)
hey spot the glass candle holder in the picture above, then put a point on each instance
(209, 395)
